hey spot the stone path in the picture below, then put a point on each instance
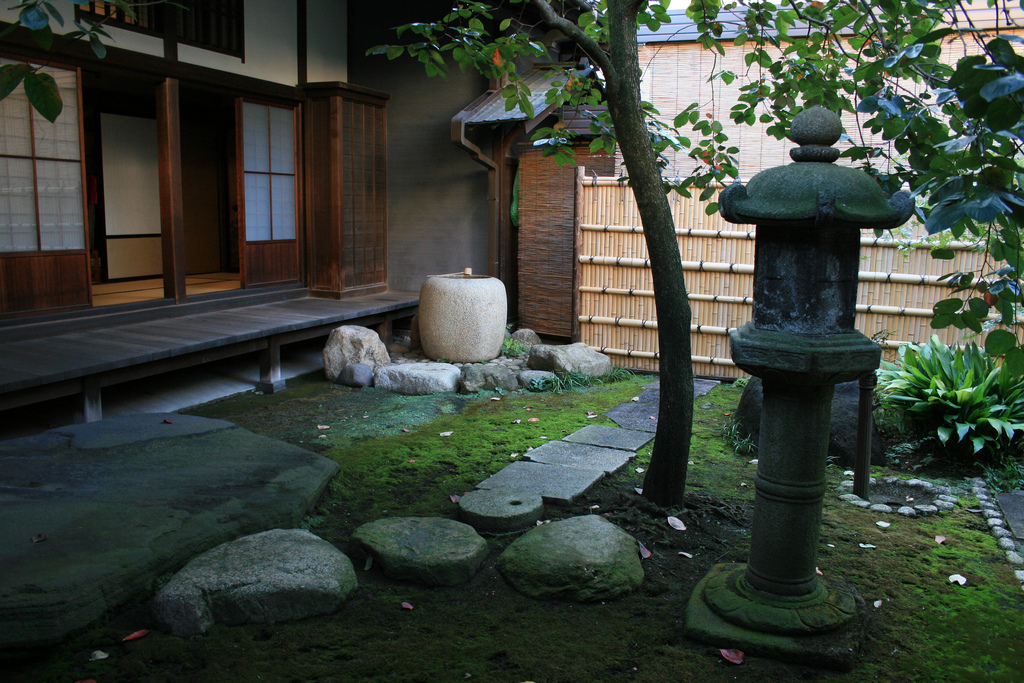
(562, 471)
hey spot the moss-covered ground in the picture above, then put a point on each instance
(397, 460)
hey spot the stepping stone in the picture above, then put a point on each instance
(556, 484)
(1012, 504)
(639, 416)
(581, 558)
(277, 575)
(430, 550)
(649, 396)
(703, 386)
(580, 456)
(611, 437)
(500, 510)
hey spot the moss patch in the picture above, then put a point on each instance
(925, 629)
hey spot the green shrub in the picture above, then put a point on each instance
(955, 392)
(577, 380)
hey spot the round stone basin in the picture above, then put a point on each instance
(462, 317)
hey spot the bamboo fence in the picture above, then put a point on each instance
(899, 282)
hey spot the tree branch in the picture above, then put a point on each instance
(552, 19)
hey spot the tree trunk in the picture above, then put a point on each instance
(665, 481)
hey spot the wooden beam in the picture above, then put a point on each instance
(270, 367)
(172, 230)
(90, 401)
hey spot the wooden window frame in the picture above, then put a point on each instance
(170, 25)
(242, 172)
(33, 157)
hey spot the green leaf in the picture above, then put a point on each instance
(394, 51)
(943, 253)
(98, 48)
(1000, 342)
(43, 37)
(1004, 85)
(506, 23)
(33, 18)
(11, 76)
(44, 95)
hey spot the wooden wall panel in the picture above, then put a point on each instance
(276, 262)
(43, 282)
(346, 151)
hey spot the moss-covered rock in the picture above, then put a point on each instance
(581, 558)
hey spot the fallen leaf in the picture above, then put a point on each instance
(534, 419)
(728, 414)
(515, 422)
(958, 578)
(818, 572)
(368, 564)
(651, 417)
(940, 539)
(644, 552)
(830, 545)
(877, 603)
(594, 507)
(848, 473)
(639, 470)
(884, 525)
(974, 510)
(734, 656)
(686, 555)
(405, 430)
(455, 498)
(514, 455)
(635, 399)
(97, 655)
(867, 545)
(743, 483)
(168, 422)
(413, 460)
(639, 491)
(446, 433)
(754, 461)
(406, 605)
(495, 398)
(323, 426)
(909, 499)
(134, 636)
(529, 407)
(39, 538)
(322, 436)
(676, 523)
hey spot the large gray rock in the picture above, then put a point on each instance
(353, 344)
(532, 379)
(581, 558)
(570, 358)
(417, 379)
(842, 439)
(526, 337)
(265, 578)
(487, 377)
(430, 550)
(126, 500)
(356, 375)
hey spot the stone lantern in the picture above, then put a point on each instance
(801, 343)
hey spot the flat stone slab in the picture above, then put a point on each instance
(581, 456)
(611, 437)
(555, 484)
(639, 416)
(125, 500)
(649, 396)
(1012, 504)
(501, 510)
(265, 578)
(430, 550)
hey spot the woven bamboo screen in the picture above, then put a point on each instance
(899, 282)
(548, 222)
(675, 74)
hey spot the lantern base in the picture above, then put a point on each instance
(836, 613)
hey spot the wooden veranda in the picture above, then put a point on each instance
(40, 361)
